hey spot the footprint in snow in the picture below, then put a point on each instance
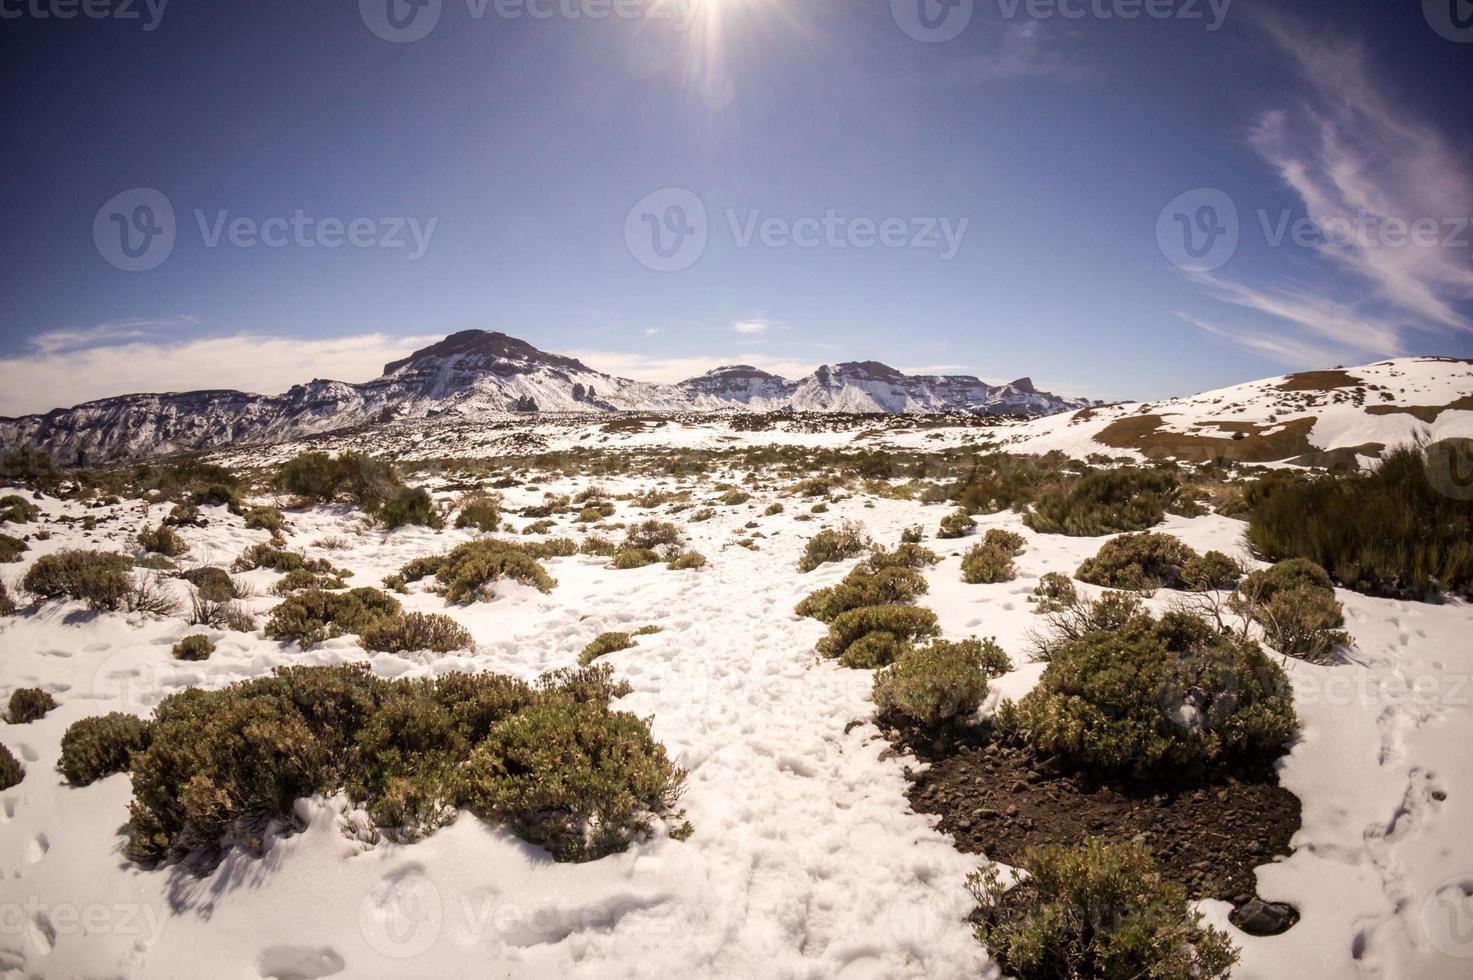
(299, 962)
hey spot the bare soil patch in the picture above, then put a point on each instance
(1250, 443)
(1320, 381)
(999, 800)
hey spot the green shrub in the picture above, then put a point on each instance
(863, 587)
(11, 771)
(626, 558)
(1211, 572)
(831, 545)
(939, 681)
(551, 548)
(299, 579)
(773, 510)
(28, 704)
(163, 540)
(1392, 531)
(1295, 605)
(315, 615)
(265, 519)
(407, 506)
(412, 632)
(7, 604)
(553, 762)
(1098, 910)
(1140, 562)
(573, 776)
(988, 563)
(1155, 696)
(15, 509)
(703, 514)
(538, 527)
(603, 644)
(1104, 502)
(278, 559)
(594, 513)
(873, 636)
(686, 561)
(99, 578)
(184, 514)
(11, 548)
(468, 571)
(654, 535)
(907, 554)
(734, 497)
(211, 583)
(957, 525)
(195, 647)
(480, 511)
(1053, 593)
(97, 747)
(217, 495)
(914, 534)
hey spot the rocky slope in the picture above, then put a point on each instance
(477, 373)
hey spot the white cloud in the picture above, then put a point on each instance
(61, 371)
(754, 326)
(1286, 350)
(651, 331)
(668, 370)
(1354, 153)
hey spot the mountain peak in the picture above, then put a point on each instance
(487, 347)
(1024, 385)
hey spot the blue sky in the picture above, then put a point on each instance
(492, 175)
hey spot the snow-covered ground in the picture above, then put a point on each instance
(806, 861)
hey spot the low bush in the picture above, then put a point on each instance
(1155, 696)
(195, 647)
(552, 762)
(957, 525)
(99, 578)
(299, 579)
(480, 511)
(278, 559)
(265, 519)
(7, 604)
(594, 513)
(604, 644)
(687, 561)
(316, 615)
(1053, 593)
(1103, 501)
(1394, 531)
(992, 560)
(468, 572)
(1211, 572)
(413, 632)
(626, 558)
(1295, 605)
(97, 747)
(1097, 910)
(940, 681)
(550, 548)
(734, 497)
(654, 535)
(163, 540)
(28, 704)
(185, 514)
(212, 583)
(831, 545)
(914, 534)
(874, 636)
(15, 509)
(11, 771)
(863, 587)
(220, 614)
(773, 510)
(12, 548)
(1140, 562)
(907, 554)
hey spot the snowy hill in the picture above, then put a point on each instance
(1319, 417)
(479, 373)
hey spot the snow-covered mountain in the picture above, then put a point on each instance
(479, 372)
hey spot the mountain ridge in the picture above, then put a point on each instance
(475, 372)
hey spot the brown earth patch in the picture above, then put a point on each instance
(1426, 413)
(1251, 443)
(1000, 800)
(1320, 381)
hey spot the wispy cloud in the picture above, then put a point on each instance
(1021, 53)
(754, 326)
(114, 332)
(1357, 157)
(65, 368)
